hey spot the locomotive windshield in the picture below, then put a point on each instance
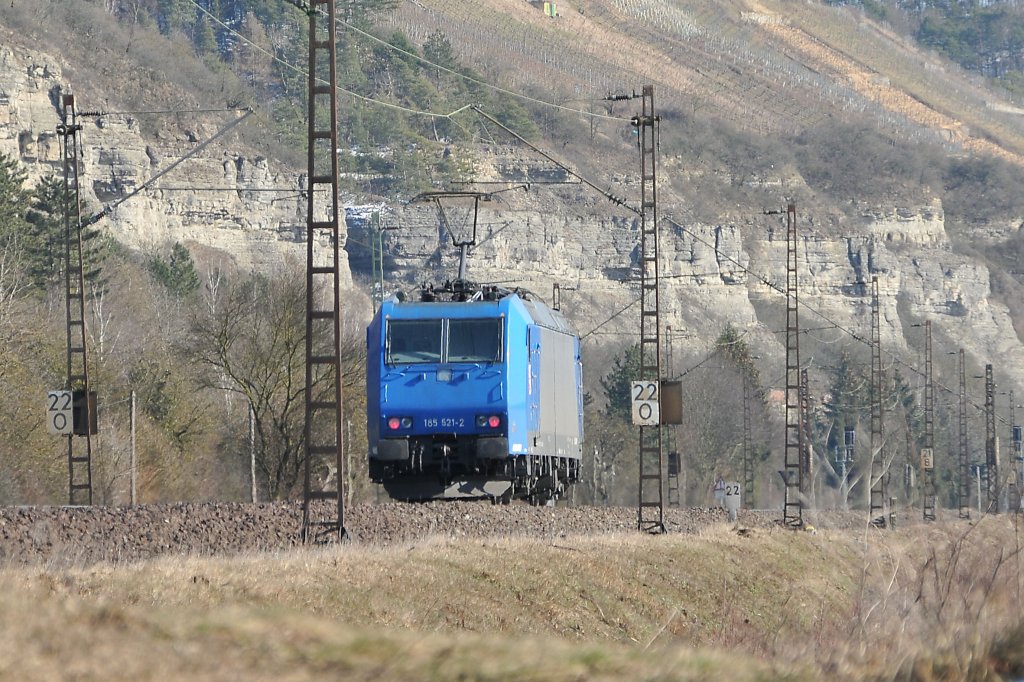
(474, 340)
(412, 341)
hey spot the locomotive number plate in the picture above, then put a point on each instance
(444, 423)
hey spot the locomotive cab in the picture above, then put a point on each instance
(478, 397)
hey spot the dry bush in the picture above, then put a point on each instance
(931, 604)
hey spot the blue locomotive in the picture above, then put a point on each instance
(473, 392)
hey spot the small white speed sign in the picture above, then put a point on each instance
(732, 496)
(927, 459)
(646, 408)
(58, 413)
(732, 499)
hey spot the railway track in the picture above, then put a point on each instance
(76, 536)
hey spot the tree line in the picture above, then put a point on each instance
(710, 441)
(981, 36)
(201, 348)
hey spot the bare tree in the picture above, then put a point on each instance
(252, 340)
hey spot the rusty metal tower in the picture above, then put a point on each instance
(1015, 456)
(928, 451)
(963, 490)
(993, 486)
(651, 509)
(805, 436)
(876, 501)
(674, 463)
(79, 458)
(748, 447)
(324, 417)
(793, 474)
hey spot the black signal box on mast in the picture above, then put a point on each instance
(83, 416)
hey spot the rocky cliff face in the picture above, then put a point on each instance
(733, 272)
(238, 206)
(227, 205)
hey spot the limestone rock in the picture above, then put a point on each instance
(230, 204)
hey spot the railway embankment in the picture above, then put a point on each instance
(476, 592)
(80, 536)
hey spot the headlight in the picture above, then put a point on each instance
(396, 423)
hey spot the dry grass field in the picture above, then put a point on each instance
(935, 602)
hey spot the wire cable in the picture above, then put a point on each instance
(893, 358)
(605, 193)
(161, 111)
(237, 188)
(614, 315)
(485, 84)
(145, 185)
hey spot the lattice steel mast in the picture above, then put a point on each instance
(323, 431)
(1015, 455)
(748, 447)
(806, 482)
(876, 499)
(792, 515)
(674, 463)
(79, 460)
(993, 487)
(928, 451)
(963, 491)
(651, 510)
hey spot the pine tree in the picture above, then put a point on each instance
(177, 273)
(252, 56)
(848, 398)
(46, 241)
(13, 198)
(172, 15)
(618, 383)
(203, 37)
(438, 50)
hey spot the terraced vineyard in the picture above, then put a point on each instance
(765, 66)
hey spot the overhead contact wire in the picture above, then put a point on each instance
(144, 186)
(605, 193)
(161, 111)
(485, 84)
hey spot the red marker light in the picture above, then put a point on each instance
(394, 423)
(493, 421)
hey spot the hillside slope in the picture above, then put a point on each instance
(767, 67)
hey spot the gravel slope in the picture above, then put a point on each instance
(68, 536)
